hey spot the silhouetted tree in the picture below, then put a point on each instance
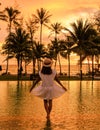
(42, 17)
(9, 15)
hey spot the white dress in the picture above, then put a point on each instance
(48, 89)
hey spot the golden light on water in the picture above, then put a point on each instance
(78, 108)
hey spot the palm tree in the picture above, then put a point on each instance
(39, 52)
(56, 29)
(95, 52)
(81, 33)
(18, 45)
(42, 17)
(54, 51)
(9, 15)
(32, 28)
(91, 50)
(97, 41)
(97, 20)
(67, 46)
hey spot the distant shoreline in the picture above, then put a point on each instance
(64, 69)
(27, 77)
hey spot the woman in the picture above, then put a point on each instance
(48, 90)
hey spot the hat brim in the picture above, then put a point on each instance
(47, 65)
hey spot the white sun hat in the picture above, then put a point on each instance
(47, 62)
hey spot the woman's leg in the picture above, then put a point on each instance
(50, 106)
(46, 107)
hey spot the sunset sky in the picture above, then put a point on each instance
(63, 11)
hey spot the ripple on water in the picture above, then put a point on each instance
(78, 109)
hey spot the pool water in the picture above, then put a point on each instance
(77, 109)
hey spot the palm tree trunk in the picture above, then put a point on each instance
(8, 51)
(80, 67)
(25, 68)
(18, 68)
(34, 66)
(92, 67)
(38, 65)
(59, 63)
(41, 34)
(88, 65)
(7, 65)
(69, 66)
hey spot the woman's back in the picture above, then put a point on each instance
(47, 79)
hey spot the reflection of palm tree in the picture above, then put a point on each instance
(81, 33)
(42, 17)
(9, 15)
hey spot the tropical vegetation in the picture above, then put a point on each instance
(83, 39)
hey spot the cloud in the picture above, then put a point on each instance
(82, 10)
(73, 13)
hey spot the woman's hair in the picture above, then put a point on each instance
(46, 70)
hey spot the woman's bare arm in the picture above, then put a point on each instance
(36, 81)
(58, 81)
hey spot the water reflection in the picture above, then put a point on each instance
(78, 109)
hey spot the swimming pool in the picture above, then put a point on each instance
(77, 109)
